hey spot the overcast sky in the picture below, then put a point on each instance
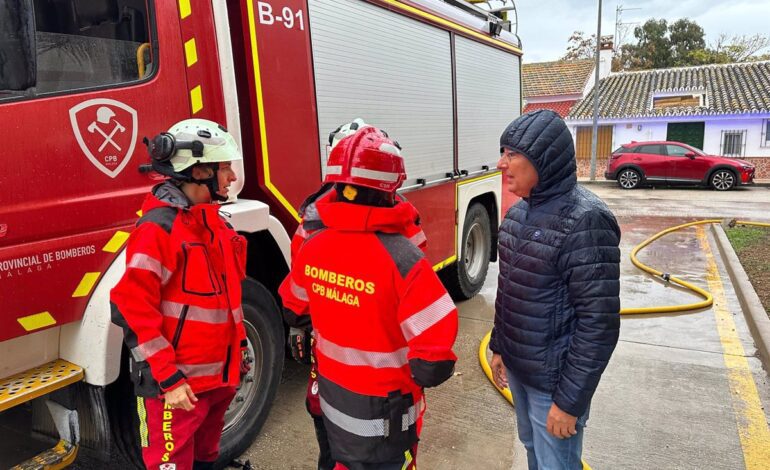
(545, 25)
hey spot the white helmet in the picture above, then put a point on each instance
(345, 130)
(190, 142)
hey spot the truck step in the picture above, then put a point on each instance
(55, 458)
(34, 383)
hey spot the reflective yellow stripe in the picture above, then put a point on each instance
(261, 112)
(196, 99)
(116, 242)
(184, 9)
(191, 52)
(446, 262)
(142, 412)
(139, 213)
(36, 321)
(408, 456)
(86, 284)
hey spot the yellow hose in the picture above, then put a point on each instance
(706, 302)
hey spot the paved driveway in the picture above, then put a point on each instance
(670, 397)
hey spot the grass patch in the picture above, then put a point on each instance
(752, 245)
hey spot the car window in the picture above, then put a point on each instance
(676, 150)
(654, 149)
(622, 149)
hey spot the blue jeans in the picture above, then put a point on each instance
(544, 451)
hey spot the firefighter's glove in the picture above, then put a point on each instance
(299, 343)
(246, 361)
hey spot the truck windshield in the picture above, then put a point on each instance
(84, 44)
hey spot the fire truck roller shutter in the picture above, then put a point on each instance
(488, 99)
(392, 71)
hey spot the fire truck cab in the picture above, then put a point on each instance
(82, 82)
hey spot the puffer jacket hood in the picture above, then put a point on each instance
(543, 138)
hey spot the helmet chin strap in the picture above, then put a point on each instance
(212, 183)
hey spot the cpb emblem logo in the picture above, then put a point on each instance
(106, 131)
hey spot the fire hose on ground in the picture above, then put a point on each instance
(706, 302)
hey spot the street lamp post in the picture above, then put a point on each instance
(595, 126)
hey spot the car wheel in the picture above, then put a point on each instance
(465, 278)
(629, 178)
(723, 180)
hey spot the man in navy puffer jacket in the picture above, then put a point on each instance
(557, 310)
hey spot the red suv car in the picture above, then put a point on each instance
(671, 163)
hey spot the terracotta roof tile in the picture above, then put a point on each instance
(729, 89)
(561, 107)
(562, 77)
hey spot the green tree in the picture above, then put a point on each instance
(686, 38)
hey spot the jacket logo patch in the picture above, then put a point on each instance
(167, 466)
(106, 132)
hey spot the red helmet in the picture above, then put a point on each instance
(367, 158)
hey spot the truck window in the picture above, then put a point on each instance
(84, 44)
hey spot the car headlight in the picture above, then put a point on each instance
(747, 167)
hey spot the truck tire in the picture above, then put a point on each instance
(464, 278)
(249, 409)
(251, 405)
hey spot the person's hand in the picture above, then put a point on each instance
(181, 397)
(560, 423)
(299, 343)
(245, 365)
(498, 371)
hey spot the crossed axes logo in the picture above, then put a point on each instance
(106, 131)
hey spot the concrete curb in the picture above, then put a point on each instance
(756, 317)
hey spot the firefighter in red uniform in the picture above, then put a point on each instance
(179, 301)
(384, 325)
(300, 339)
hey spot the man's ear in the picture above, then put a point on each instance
(202, 172)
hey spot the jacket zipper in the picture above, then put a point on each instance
(179, 326)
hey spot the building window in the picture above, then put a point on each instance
(765, 141)
(733, 143)
(693, 99)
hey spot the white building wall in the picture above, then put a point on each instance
(624, 133)
(645, 130)
(753, 127)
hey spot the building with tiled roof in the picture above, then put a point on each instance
(560, 84)
(562, 77)
(723, 109)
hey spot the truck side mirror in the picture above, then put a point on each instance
(18, 50)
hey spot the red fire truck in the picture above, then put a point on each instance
(83, 81)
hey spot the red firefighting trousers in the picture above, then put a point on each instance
(172, 439)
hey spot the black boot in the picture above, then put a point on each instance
(198, 465)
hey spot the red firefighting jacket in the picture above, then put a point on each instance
(384, 326)
(179, 301)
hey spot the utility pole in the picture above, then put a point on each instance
(595, 126)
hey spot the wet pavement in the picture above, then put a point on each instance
(669, 398)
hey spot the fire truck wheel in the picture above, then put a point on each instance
(248, 410)
(464, 278)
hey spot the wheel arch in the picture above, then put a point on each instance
(631, 166)
(722, 166)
